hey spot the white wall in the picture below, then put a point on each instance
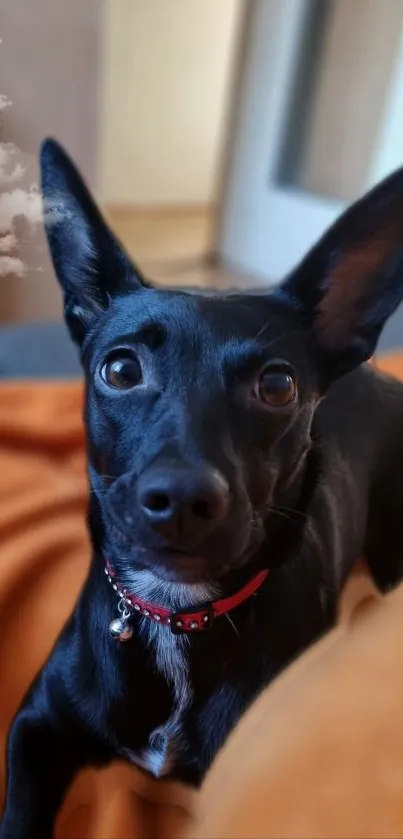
(49, 69)
(360, 50)
(166, 79)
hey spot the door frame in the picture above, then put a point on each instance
(264, 227)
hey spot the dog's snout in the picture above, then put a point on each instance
(182, 502)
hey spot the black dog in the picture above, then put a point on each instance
(213, 458)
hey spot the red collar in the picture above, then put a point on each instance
(187, 620)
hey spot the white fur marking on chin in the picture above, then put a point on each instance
(171, 660)
(171, 595)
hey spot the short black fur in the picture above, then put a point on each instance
(202, 471)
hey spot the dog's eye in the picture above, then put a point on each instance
(276, 387)
(122, 371)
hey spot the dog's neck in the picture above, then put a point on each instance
(171, 653)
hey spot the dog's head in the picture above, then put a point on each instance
(199, 406)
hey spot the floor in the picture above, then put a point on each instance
(172, 246)
(164, 235)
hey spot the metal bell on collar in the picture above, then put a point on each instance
(120, 628)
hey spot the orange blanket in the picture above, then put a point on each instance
(320, 753)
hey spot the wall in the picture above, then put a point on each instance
(49, 71)
(167, 68)
(359, 56)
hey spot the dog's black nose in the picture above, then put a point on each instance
(182, 502)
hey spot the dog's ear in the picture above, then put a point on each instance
(89, 262)
(352, 280)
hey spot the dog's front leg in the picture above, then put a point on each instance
(42, 758)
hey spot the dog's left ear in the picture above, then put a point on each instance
(352, 280)
(90, 263)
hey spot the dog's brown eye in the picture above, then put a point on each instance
(277, 387)
(122, 372)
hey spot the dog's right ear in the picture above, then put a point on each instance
(90, 263)
(351, 281)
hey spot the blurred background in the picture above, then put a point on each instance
(221, 137)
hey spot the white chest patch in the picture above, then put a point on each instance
(170, 655)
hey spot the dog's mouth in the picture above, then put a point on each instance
(131, 542)
(174, 565)
(183, 558)
(168, 562)
(178, 566)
